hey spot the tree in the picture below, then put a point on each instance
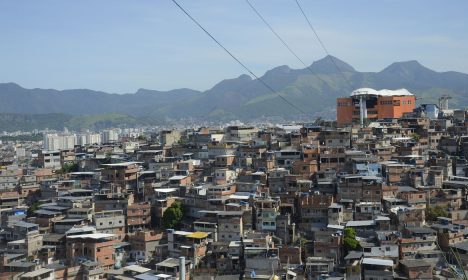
(415, 137)
(33, 207)
(173, 215)
(108, 158)
(70, 167)
(303, 243)
(436, 211)
(349, 240)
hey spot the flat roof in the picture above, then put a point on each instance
(46, 212)
(92, 235)
(20, 264)
(137, 268)
(178, 177)
(36, 273)
(420, 230)
(381, 262)
(237, 196)
(169, 262)
(23, 224)
(338, 227)
(222, 213)
(76, 229)
(165, 190)
(162, 275)
(54, 207)
(335, 205)
(382, 92)
(149, 151)
(122, 163)
(414, 263)
(197, 235)
(460, 245)
(360, 223)
(146, 276)
(70, 220)
(85, 210)
(181, 232)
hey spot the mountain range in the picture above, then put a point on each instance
(313, 90)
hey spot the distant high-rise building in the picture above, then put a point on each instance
(109, 136)
(81, 139)
(55, 141)
(93, 138)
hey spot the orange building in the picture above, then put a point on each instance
(370, 104)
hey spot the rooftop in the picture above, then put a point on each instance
(36, 273)
(382, 92)
(92, 236)
(414, 263)
(122, 164)
(360, 223)
(379, 262)
(137, 268)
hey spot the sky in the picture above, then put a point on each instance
(120, 46)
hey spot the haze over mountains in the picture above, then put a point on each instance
(242, 97)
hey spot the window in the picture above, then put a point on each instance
(386, 102)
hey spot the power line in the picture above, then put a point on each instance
(322, 44)
(237, 60)
(283, 41)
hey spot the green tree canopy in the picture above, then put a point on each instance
(349, 240)
(173, 215)
(70, 167)
(415, 137)
(33, 207)
(436, 211)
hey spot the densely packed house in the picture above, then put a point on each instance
(379, 199)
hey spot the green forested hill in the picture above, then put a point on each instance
(314, 90)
